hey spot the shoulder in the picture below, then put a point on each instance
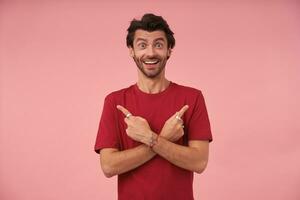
(117, 94)
(187, 90)
(191, 95)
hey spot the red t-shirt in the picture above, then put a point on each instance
(158, 178)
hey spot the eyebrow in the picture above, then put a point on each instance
(161, 38)
(138, 39)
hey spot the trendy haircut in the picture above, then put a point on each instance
(150, 22)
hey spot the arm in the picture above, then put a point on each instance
(115, 162)
(193, 158)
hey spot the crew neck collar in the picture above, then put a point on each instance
(139, 91)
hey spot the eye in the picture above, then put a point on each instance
(142, 45)
(158, 45)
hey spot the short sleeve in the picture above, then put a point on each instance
(199, 125)
(108, 127)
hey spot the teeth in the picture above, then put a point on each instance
(151, 62)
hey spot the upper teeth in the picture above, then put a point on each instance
(150, 62)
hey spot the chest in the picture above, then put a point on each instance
(155, 110)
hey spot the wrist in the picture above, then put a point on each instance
(154, 140)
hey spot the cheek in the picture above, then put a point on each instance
(138, 56)
(163, 54)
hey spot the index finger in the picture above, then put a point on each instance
(182, 110)
(123, 110)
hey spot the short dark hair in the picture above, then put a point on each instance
(150, 22)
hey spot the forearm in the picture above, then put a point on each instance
(186, 157)
(119, 162)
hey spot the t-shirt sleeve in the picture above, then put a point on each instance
(199, 125)
(108, 127)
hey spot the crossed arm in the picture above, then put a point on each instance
(193, 157)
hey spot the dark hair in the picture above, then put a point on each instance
(150, 22)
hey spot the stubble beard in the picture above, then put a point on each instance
(162, 64)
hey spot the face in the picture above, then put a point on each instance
(150, 52)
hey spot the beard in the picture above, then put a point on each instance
(151, 72)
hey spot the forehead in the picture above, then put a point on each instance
(149, 36)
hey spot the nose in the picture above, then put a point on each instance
(150, 51)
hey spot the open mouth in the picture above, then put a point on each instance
(151, 62)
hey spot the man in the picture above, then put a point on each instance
(154, 134)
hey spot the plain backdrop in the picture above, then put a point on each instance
(59, 59)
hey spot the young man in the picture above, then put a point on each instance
(154, 134)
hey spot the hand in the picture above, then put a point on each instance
(138, 128)
(173, 127)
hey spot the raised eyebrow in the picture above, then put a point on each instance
(141, 39)
(145, 40)
(159, 39)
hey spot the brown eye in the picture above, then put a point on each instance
(158, 45)
(142, 45)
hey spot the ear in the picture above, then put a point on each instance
(131, 52)
(169, 52)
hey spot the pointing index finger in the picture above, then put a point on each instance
(123, 110)
(182, 110)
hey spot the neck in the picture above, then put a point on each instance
(153, 86)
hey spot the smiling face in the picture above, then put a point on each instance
(150, 52)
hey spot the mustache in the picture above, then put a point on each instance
(151, 57)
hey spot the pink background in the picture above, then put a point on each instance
(60, 58)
